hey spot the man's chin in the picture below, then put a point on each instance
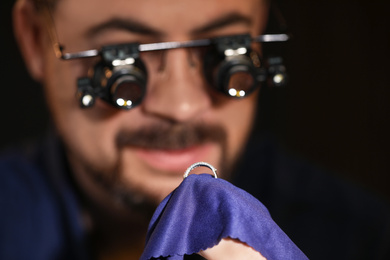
(139, 199)
(151, 174)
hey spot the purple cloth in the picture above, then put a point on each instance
(202, 211)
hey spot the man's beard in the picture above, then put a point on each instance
(162, 136)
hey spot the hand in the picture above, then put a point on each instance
(231, 249)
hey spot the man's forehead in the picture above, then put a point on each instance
(159, 16)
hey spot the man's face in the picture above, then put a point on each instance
(182, 120)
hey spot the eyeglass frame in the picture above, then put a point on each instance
(263, 38)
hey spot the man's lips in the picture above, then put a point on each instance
(174, 161)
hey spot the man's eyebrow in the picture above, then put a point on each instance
(223, 21)
(123, 24)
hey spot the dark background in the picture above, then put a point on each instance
(335, 110)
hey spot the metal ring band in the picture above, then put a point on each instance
(199, 164)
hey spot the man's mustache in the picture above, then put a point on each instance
(171, 136)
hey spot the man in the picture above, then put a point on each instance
(117, 164)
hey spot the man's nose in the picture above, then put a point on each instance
(178, 91)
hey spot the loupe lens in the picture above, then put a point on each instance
(127, 92)
(240, 84)
(239, 81)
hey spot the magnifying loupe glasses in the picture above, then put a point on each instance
(229, 64)
(120, 77)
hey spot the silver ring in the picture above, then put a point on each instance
(199, 164)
